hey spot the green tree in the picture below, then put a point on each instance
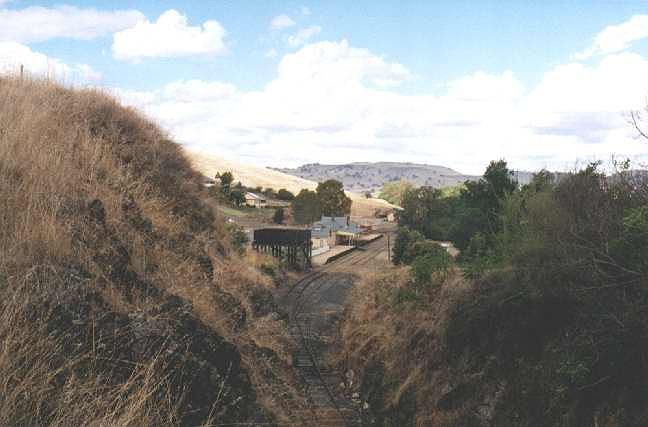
(394, 191)
(226, 179)
(332, 199)
(306, 207)
(405, 238)
(285, 195)
(278, 216)
(432, 266)
(426, 211)
(237, 197)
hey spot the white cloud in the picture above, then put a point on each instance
(335, 103)
(305, 11)
(280, 22)
(13, 55)
(36, 23)
(303, 35)
(617, 38)
(169, 36)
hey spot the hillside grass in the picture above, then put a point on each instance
(121, 300)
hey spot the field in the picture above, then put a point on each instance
(255, 176)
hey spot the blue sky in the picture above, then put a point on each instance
(455, 83)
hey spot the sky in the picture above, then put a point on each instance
(282, 83)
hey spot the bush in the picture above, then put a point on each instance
(285, 195)
(405, 238)
(431, 266)
(278, 216)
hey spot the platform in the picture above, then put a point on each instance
(334, 253)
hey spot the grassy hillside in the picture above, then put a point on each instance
(364, 176)
(254, 176)
(121, 299)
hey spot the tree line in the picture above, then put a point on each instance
(560, 267)
(328, 199)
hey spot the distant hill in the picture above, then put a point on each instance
(362, 176)
(254, 176)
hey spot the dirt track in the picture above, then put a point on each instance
(315, 304)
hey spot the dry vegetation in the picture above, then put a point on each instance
(254, 176)
(122, 302)
(393, 350)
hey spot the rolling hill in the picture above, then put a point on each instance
(254, 176)
(361, 177)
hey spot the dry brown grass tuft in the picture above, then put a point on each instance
(394, 350)
(121, 302)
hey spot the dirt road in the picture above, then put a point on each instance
(315, 304)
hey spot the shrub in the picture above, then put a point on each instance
(431, 266)
(239, 238)
(405, 238)
(278, 216)
(285, 195)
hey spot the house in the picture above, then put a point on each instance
(255, 200)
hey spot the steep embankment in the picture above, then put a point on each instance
(254, 176)
(122, 301)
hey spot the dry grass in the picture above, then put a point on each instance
(254, 176)
(395, 350)
(117, 283)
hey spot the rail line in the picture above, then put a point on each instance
(307, 359)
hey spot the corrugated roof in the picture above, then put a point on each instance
(254, 196)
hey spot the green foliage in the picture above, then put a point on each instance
(631, 247)
(426, 211)
(431, 266)
(239, 238)
(394, 191)
(332, 199)
(226, 179)
(237, 197)
(306, 207)
(270, 193)
(405, 238)
(564, 322)
(278, 216)
(285, 195)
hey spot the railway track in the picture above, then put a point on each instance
(331, 406)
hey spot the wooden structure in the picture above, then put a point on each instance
(292, 243)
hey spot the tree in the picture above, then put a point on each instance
(404, 240)
(332, 199)
(500, 178)
(306, 207)
(394, 191)
(278, 216)
(269, 193)
(432, 266)
(425, 211)
(285, 195)
(226, 179)
(368, 195)
(237, 197)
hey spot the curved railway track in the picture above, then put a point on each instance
(331, 407)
